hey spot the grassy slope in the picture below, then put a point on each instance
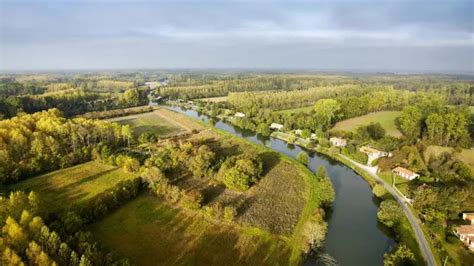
(385, 118)
(150, 233)
(73, 185)
(149, 122)
(280, 203)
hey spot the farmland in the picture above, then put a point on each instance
(152, 233)
(152, 122)
(466, 155)
(73, 185)
(385, 118)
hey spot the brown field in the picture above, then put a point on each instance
(385, 118)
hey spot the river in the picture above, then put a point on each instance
(354, 235)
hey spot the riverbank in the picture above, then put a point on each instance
(410, 232)
(354, 205)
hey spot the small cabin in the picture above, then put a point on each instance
(239, 115)
(405, 173)
(298, 132)
(276, 126)
(338, 142)
(313, 136)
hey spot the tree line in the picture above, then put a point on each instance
(31, 144)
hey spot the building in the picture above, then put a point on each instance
(190, 102)
(373, 154)
(468, 217)
(405, 173)
(239, 115)
(313, 136)
(465, 234)
(338, 142)
(276, 126)
(298, 132)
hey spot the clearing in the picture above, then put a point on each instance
(385, 118)
(466, 155)
(149, 232)
(152, 122)
(73, 185)
(214, 99)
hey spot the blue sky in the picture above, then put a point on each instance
(420, 36)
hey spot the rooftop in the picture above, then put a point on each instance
(465, 229)
(405, 171)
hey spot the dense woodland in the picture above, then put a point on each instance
(36, 139)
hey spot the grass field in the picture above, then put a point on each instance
(466, 155)
(306, 109)
(214, 99)
(150, 233)
(385, 118)
(72, 185)
(152, 122)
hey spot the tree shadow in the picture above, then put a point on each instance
(210, 193)
(245, 206)
(270, 160)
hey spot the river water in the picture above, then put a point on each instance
(354, 235)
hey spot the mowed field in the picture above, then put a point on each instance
(214, 99)
(149, 232)
(152, 122)
(385, 118)
(73, 185)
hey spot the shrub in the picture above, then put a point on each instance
(229, 214)
(390, 213)
(303, 158)
(379, 190)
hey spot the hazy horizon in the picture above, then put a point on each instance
(325, 36)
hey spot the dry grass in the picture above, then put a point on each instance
(73, 185)
(179, 119)
(152, 122)
(214, 99)
(385, 118)
(150, 233)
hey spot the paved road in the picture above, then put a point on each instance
(420, 236)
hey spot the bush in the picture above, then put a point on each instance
(229, 214)
(240, 172)
(303, 157)
(379, 190)
(390, 213)
(192, 200)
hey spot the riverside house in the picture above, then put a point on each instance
(405, 173)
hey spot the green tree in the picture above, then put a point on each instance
(263, 129)
(401, 256)
(390, 213)
(326, 110)
(376, 131)
(303, 157)
(379, 190)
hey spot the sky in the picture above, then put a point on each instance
(375, 36)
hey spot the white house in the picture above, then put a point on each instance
(373, 154)
(468, 217)
(313, 136)
(276, 126)
(239, 115)
(190, 102)
(466, 234)
(405, 173)
(338, 142)
(298, 132)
